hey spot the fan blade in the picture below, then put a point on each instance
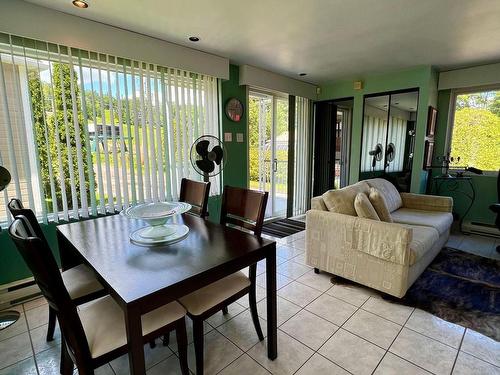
(219, 154)
(206, 166)
(202, 148)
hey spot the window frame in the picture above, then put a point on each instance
(451, 118)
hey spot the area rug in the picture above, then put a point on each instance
(462, 288)
(458, 287)
(283, 228)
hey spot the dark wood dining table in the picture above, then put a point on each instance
(141, 279)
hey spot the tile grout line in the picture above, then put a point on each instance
(393, 340)
(31, 341)
(458, 351)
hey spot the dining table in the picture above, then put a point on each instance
(141, 279)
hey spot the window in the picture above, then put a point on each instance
(475, 135)
(85, 133)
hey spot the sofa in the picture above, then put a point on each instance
(387, 256)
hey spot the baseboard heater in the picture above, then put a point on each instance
(18, 292)
(484, 229)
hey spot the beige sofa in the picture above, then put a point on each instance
(381, 255)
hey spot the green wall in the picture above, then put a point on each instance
(12, 266)
(485, 186)
(424, 78)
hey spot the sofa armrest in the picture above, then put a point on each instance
(427, 202)
(332, 232)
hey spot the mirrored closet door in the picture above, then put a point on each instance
(388, 137)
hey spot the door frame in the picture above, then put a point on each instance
(348, 143)
(274, 96)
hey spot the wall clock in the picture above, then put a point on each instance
(234, 109)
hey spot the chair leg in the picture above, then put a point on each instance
(66, 361)
(198, 344)
(152, 344)
(252, 300)
(180, 332)
(52, 324)
(224, 310)
(166, 339)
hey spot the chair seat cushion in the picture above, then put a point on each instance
(441, 221)
(422, 241)
(104, 323)
(80, 281)
(211, 295)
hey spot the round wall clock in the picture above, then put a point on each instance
(234, 109)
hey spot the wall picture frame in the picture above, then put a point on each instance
(428, 151)
(431, 121)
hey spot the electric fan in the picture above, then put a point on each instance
(208, 156)
(390, 153)
(377, 154)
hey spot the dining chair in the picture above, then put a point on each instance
(243, 208)
(80, 281)
(196, 194)
(93, 333)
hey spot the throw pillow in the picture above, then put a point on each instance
(364, 208)
(380, 205)
(341, 201)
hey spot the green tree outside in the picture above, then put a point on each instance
(62, 125)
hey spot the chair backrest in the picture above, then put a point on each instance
(42, 264)
(244, 207)
(196, 194)
(16, 208)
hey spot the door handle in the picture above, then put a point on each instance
(275, 165)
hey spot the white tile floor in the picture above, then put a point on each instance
(323, 329)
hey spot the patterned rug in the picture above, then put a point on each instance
(283, 228)
(462, 288)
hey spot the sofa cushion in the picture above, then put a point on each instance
(341, 201)
(441, 221)
(389, 191)
(317, 203)
(378, 201)
(364, 208)
(422, 241)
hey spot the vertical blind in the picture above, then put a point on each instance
(374, 132)
(302, 180)
(85, 133)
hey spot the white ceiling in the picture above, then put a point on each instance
(327, 39)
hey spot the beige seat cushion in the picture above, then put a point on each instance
(104, 324)
(389, 191)
(364, 208)
(422, 241)
(342, 201)
(80, 281)
(378, 201)
(439, 220)
(211, 295)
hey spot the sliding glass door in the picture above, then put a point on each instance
(268, 133)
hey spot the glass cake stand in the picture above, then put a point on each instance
(156, 215)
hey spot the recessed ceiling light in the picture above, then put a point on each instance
(80, 4)
(194, 39)
(302, 74)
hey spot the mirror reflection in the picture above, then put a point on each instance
(388, 139)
